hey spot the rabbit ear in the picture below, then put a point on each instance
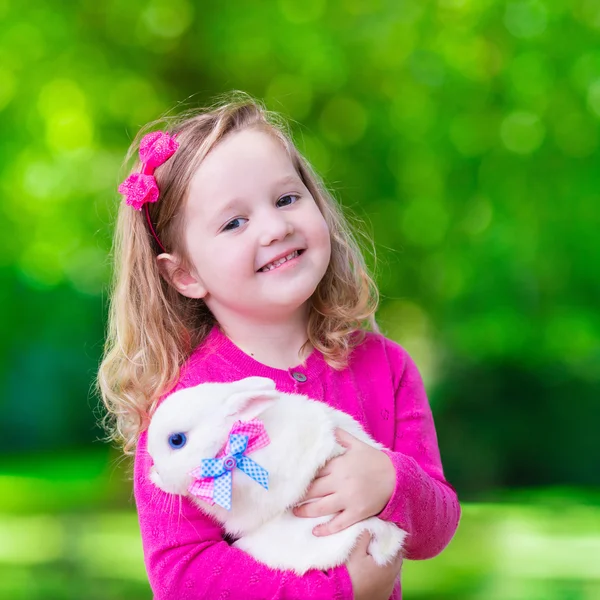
(247, 405)
(255, 383)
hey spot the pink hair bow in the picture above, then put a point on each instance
(139, 188)
(213, 479)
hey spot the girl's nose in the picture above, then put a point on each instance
(275, 227)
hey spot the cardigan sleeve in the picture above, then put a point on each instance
(187, 558)
(423, 503)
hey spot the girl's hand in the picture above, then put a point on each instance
(356, 485)
(369, 580)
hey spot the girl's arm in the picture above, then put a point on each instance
(187, 558)
(422, 503)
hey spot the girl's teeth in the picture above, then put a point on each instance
(276, 263)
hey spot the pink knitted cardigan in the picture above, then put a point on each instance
(185, 553)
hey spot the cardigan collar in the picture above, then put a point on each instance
(247, 366)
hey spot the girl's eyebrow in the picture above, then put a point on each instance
(295, 178)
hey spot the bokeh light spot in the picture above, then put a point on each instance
(290, 94)
(576, 134)
(362, 7)
(61, 95)
(407, 323)
(478, 216)
(30, 539)
(41, 180)
(472, 134)
(7, 86)
(526, 18)
(168, 18)
(408, 11)
(474, 56)
(586, 70)
(133, 99)
(26, 42)
(343, 121)
(427, 68)
(593, 97)
(530, 74)
(323, 62)
(412, 112)
(454, 4)
(420, 173)
(425, 222)
(41, 265)
(390, 48)
(302, 12)
(445, 274)
(88, 269)
(589, 11)
(571, 334)
(316, 153)
(522, 132)
(69, 130)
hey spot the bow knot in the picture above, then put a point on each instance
(156, 148)
(213, 480)
(229, 463)
(139, 188)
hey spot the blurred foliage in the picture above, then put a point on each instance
(464, 133)
(500, 553)
(534, 545)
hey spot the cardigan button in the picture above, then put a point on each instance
(301, 377)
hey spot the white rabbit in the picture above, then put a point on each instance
(302, 440)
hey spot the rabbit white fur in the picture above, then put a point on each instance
(302, 440)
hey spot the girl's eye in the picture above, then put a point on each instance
(234, 224)
(177, 440)
(287, 200)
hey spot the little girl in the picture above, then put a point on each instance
(233, 260)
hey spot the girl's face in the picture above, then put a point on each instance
(246, 213)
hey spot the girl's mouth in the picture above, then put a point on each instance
(280, 261)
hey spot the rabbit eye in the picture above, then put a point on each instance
(177, 440)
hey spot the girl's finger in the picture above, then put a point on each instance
(329, 467)
(326, 470)
(398, 562)
(319, 488)
(344, 438)
(322, 507)
(341, 521)
(362, 544)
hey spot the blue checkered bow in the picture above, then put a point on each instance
(214, 478)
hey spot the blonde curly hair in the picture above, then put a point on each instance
(152, 329)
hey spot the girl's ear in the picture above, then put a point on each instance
(247, 405)
(186, 283)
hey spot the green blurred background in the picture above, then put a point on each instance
(462, 133)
